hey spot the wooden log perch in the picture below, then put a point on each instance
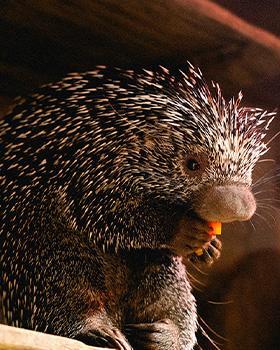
(12, 338)
(41, 41)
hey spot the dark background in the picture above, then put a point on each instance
(264, 14)
(41, 41)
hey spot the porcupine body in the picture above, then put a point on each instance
(107, 179)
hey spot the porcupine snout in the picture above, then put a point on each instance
(226, 203)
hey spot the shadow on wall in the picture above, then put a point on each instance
(242, 305)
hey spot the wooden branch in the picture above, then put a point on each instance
(12, 338)
(43, 40)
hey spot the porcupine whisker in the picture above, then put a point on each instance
(198, 347)
(273, 138)
(269, 209)
(264, 218)
(267, 160)
(212, 342)
(272, 202)
(220, 302)
(266, 179)
(212, 330)
(264, 188)
(251, 222)
(266, 191)
(195, 287)
(258, 215)
(198, 269)
(271, 212)
(195, 279)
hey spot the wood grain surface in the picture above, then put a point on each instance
(12, 338)
(43, 40)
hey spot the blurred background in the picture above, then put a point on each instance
(234, 43)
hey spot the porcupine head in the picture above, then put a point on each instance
(167, 152)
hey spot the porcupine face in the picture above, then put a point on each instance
(198, 150)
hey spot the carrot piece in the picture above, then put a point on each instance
(215, 229)
(199, 252)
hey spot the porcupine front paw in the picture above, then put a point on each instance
(104, 336)
(193, 241)
(160, 335)
(208, 253)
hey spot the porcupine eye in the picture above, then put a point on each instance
(192, 164)
(195, 164)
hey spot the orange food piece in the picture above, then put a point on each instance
(199, 252)
(215, 229)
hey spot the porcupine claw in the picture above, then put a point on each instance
(191, 234)
(106, 337)
(161, 335)
(210, 253)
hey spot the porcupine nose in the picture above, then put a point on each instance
(226, 204)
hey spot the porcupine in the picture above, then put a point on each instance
(108, 178)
